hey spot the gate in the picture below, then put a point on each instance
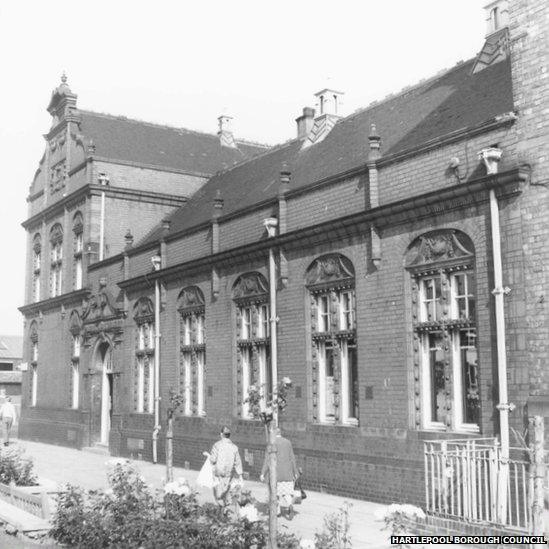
(469, 480)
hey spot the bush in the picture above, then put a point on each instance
(128, 515)
(16, 468)
(335, 534)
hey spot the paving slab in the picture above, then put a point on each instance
(87, 469)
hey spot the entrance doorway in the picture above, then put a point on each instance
(104, 368)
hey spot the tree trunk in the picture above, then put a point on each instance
(169, 449)
(273, 503)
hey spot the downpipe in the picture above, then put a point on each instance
(157, 427)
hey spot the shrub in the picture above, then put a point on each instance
(14, 467)
(335, 534)
(128, 515)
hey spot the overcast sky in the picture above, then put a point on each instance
(184, 63)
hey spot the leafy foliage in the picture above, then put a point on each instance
(262, 403)
(14, 467)
(335, 534)
(128, 515)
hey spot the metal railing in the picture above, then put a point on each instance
(469, 480)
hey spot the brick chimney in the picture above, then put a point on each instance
(225, 132)
(305, 122)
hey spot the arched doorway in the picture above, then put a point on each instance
(103, 367)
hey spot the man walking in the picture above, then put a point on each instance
(8, 415)
(286, 473)
(227, 470)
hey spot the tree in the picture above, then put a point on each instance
(267, 411)
(175, 402)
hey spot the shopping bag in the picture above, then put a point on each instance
(299, 489)
(205, 476)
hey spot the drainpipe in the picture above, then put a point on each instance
(156, 261)
(271, 224)
(103, 181)
(491, 157)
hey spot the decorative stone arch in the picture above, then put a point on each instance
(190, 299)
(435, 260)
(442, 246)
(143, 310)
(251, 287)
(75, 323)
(330, 270)
(56, 233)
(78, 223)
(37, 243)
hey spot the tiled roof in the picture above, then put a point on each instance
(11, 346)
(449, 102)
(127, 140)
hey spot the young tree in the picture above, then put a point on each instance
(175, 402)
(267, 410)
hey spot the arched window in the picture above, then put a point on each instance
(192, 329)
(330, 280)
(76, 342)
(36, 266)
(78, 230)
(441, 265)
(33, 381)
(144, 356)
(250, 295)
(56, 266)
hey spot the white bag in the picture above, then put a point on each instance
(205, 476)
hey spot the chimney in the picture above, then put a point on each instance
(225, 132)
(305, 122)
(325, 117)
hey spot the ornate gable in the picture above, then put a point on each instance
(143, 310)
(100, 306)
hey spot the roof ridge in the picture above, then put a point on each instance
(406, 89)
(273, 149)
(166, 126)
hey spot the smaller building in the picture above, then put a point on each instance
(11, 356)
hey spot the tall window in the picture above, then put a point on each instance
(330, 281)
(144, 356)
(36, 266)
(74, 389)
(33, 378)
(441, 264)
(192, 328)
(56, 265)
(250, 294)
(78, 229)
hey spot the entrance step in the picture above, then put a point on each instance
(101, 449)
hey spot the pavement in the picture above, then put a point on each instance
(88, 469)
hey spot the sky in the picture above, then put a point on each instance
(185, 63)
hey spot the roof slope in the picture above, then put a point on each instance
(124, 139)
(11, 346)
(449, 102)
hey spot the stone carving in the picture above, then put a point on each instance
(250, 285)
(75, 323)
(56, 234)
(77, 223)
(33, 332)
(143, 309)
(329, 268)
(439, 246)
(37, 243)
(190, 298)
(100, 306)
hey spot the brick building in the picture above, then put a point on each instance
(386, 252)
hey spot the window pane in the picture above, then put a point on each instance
(469, 373)
(353, 382)
(330, 382)
(438, 383)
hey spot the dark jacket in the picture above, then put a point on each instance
(286, 468)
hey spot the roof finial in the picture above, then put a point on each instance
(64, 77)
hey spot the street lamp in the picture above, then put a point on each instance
(156, 261)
